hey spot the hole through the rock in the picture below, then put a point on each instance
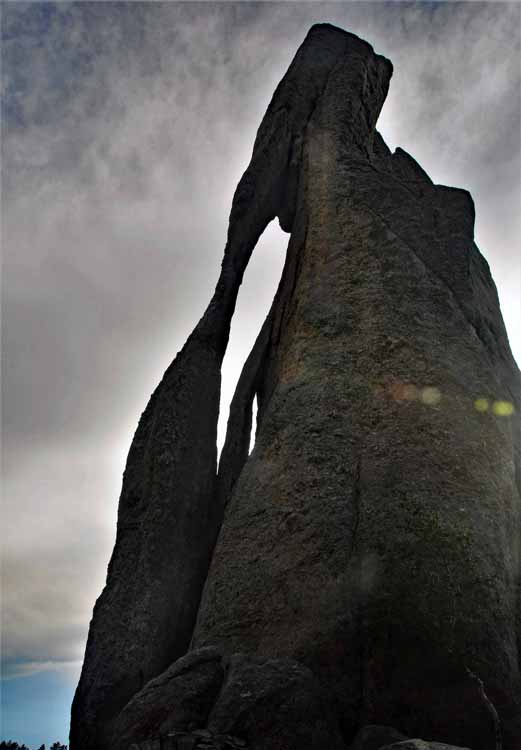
(253, 435)
(256, 294)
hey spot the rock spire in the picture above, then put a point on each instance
(365, 558)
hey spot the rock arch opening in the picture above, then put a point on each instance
(253, 434)
(256, 294)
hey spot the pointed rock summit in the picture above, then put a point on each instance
(358, 574)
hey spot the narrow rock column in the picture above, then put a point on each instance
(169, 511)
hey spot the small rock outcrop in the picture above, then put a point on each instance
(276, 704)
(362, 566)
(181, 697)
(374, 737)
(264, 704)
(198, 739)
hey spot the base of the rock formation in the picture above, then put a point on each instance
(207, 701)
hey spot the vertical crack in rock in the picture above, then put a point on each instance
(383, 337)
(356, 503)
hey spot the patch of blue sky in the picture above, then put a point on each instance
(35, 709)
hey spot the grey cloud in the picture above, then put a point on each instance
(55, 525)
(127, 128)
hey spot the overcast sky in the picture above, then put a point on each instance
(126, 127)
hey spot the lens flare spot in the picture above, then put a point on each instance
(481, 404)
(410, 392)
(503, 408)
(403, 391)
(431, 396)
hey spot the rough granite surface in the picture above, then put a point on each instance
(373, 534)
(274, 704)
(182, 696)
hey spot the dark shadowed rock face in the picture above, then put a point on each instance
(275, 704)
(265, 704)
(182, 696)
(372, 537)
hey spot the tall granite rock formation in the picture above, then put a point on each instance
(362, 565)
